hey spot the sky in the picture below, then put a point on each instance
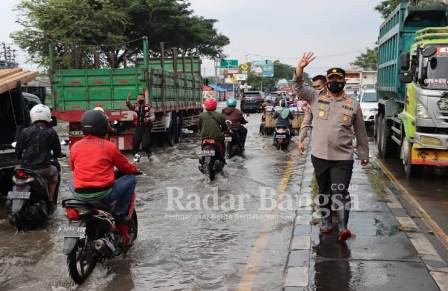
(337, 31)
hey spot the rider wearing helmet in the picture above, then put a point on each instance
(212, 124)
(37, 144)
(93, 159)
(283, 114)
(237, 119)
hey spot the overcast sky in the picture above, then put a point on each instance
(336, 31)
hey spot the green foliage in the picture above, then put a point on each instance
(367, 60)
(386, 7)
(105, 30)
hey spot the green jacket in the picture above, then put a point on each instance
(212, 124)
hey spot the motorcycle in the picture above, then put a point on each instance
(282, 138)
(95, 234)
(28, 204)
(210, 163)
(233, 142)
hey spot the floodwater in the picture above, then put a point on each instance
(185, 241)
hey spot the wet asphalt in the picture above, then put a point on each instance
(194, 243)
(177, 248)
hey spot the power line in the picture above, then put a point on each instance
(294, 58)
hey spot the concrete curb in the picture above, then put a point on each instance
(303, 238)
(296, 274)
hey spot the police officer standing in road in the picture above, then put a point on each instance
(337, 120)
(145, 119)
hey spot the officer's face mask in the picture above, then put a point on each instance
(335, 86)
(141, 101)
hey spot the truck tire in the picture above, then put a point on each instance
(378, 132)
(171, 132)
(386, 145)
(411, 171)
(178, 128)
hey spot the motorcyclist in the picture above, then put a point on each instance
(283, 115)
(212, 124)
(236, 117)
(93, 159)
(37, 145)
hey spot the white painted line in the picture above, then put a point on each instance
(303, 219)
(301, 243)
(423, 246)
(296, 277)
(441, 280)
(407, 224)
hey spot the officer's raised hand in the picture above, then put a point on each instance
(306, 59)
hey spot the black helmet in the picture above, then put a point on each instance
(94, 122)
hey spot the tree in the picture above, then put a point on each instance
(109, 32)
(367, 60)
(386, 7)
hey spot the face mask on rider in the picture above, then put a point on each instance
(141, 101)
(335, 86)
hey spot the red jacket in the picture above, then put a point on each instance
(93, 159)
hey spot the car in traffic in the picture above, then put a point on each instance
(275, 97)
(368, 101)
(251, 101)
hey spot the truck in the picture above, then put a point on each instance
(14, 115)
(172, 87)
(412, 115)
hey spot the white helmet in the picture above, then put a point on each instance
(99, 109)
(40, 112)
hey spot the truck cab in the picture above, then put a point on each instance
(412, 119)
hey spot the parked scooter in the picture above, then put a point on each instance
(95, 234)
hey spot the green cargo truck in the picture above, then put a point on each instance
(412, 119)
(173, 87)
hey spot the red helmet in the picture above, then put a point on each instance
(210, 104)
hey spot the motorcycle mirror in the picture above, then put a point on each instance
(14, 144)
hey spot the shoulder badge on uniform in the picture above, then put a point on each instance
(324, 98)
(348, 104)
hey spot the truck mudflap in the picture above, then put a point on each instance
(429, 157)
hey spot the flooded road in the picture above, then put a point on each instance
(430, 189)
(185, 242)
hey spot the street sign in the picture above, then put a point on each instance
(263, 68)
(229, 63)
(230, 71)
(241, 77)
(244, 68)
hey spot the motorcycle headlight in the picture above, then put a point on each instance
(421, 111)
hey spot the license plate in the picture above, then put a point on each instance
(280, 136)
(73, 230)
(228, 138)
(18, 195)
(208, 153)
